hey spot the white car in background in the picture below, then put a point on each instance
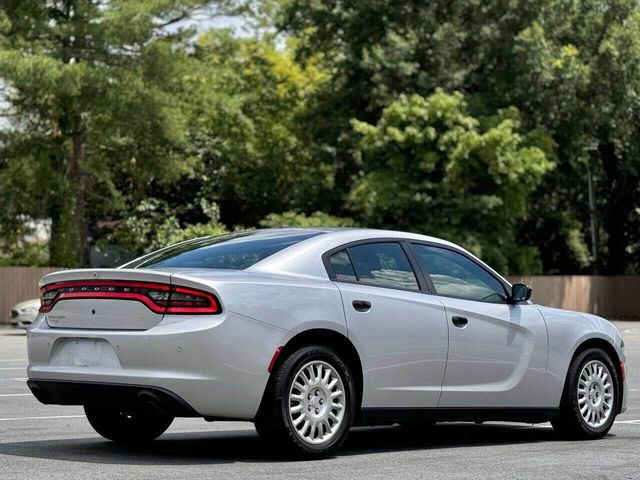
(24, 313)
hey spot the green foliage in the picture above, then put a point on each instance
(295, 219)
(245, 128)
(152, 225)
(123, 127)
(428, 166)
(99, 111)
(570, 67)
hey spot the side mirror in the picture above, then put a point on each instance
(520, 293)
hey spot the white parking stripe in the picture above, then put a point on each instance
(13, 359)
(9, 419)
(16, 395)
(632, 422)
(13, 368)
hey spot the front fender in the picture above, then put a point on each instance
(567, 330)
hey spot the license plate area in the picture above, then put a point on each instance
(84, 352)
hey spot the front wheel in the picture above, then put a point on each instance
(309, 405)
(127, 427)
(591, 397)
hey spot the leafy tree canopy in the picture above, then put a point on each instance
(428, 166)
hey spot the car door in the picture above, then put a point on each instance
(400, 333)
(497, 351)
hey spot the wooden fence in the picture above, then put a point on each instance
(18, 284)
(610, 297)
(615, 297)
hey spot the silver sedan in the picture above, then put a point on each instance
(307, 332)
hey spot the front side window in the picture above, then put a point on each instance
(235, 251)
(382, 265)
(456, 275)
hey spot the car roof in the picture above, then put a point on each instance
(304, 259)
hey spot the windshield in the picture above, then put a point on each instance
(234, 251)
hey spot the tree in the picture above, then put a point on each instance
(96, 99)
(570, 67)
(245, 130)
(428, 166)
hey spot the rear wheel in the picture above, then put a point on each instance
(309, 406)
(591, 397)
(124, 427)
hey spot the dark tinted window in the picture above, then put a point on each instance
(342, 267)
(235, 251)
(384, 265)
(456, 275)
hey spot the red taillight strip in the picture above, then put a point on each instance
(180, 306)
(213, 306)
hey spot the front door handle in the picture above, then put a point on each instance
(460, 322)
(361, 305)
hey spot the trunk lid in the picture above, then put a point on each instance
(112, 299)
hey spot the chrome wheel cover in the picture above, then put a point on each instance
(595, 394)
(317, 402)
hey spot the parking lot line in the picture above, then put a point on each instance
(13, 368)
(9, 419)
(16, 395)
(13, 359)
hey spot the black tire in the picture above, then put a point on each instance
(570, 424)
(274, 423)
(130, 428)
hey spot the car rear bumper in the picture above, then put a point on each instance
(123, 396)
(216, 365)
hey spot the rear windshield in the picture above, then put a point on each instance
(235, 251)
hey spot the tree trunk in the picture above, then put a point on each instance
(77, 181)
(69, 227)
(616, 210)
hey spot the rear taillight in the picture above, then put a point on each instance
(157, 297)
(188, 300)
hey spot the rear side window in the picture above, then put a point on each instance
(381, 264)
(235, 251)
(342, 266)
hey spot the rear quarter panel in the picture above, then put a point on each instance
(290, 303)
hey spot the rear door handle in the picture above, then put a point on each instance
(460, 322)
(361, 305)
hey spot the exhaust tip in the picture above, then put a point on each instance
(151, 399)
(38, 392)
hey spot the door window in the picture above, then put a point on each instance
(342, 267)
(456, 275)
(382, 264)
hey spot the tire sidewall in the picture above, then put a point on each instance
(578, 365)
(290, 368)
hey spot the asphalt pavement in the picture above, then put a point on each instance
(56, 442)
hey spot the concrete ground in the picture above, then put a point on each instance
(54, 442)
